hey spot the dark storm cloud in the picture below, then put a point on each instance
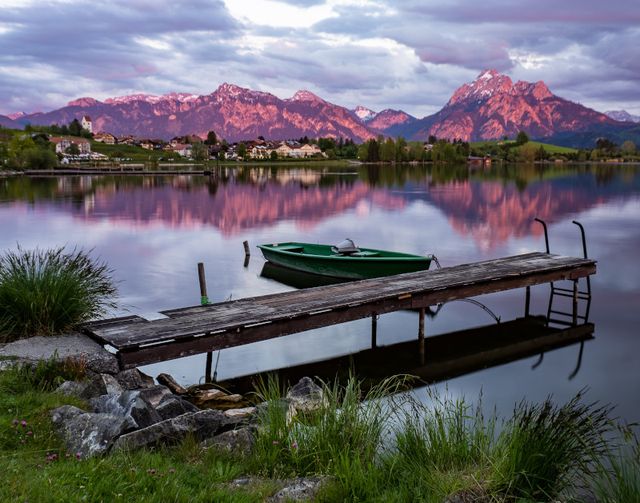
(378, 53)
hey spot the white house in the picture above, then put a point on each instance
(86, 123)
(63, 143)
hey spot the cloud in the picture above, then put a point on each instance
(378, 53)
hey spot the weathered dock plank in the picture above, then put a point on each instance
(199, 329)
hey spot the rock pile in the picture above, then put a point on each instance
(129, 411)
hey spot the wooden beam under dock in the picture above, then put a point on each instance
(199, 329)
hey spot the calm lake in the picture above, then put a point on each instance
(153, 231)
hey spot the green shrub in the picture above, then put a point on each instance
(545, 448)
(46, 292)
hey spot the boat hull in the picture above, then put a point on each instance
(319, 259)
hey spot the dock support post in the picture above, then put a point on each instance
(204, 300)
(527, 301)
(247, 253)
(207, 369)
(374, 330)
(421, 334)
(575, 303)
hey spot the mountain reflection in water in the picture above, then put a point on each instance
(490, 207)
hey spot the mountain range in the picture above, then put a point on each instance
(491, 107)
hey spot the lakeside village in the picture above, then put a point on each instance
(48, 147)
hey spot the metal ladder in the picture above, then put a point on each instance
(564, 318)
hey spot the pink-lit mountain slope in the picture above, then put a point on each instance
(233, 112)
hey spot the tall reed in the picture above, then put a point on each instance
(45, 292)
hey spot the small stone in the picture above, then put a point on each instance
(299, 489)
(243, 413)
(306, 395)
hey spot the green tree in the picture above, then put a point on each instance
(388, 151)
(522, 138)
(242, 150)
(212, 139)
(273, 155)
(527, 153)
(16, 149)
(628, 147)
(199, 151)
(40, 158)
(401, 149)
(373, 152)
(75, 129)
(72, 149)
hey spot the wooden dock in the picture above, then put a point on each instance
(201, 329)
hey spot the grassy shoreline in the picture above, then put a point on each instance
(430, 452)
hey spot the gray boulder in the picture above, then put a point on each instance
(72, 388)
(86, 434)
(238, 441)
(134, 379)
(155, 394)
(130, 405)
(202, 425)
(100, 384)
(173, 406)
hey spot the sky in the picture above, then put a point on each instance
(406, 54)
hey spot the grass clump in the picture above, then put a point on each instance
(349, 420)
(546, 448)
(47, 292)
(618, 475)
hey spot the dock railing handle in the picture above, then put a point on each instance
(546, 233)
(584, 239)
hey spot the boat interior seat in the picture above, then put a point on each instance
(365, 254)
(291, 248)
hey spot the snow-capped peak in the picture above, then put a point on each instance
(487, 75)
(364, 113)
(152, 98)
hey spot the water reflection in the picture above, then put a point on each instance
(154, 230)
(489, 206)
(448, 355)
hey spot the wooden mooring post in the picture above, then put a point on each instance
(204, 300)
(374, 330)
(247, 253)
(421, 334)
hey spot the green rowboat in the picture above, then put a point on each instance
(344, 261)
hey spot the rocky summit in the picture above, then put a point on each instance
(490, 107)
(493, 106)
